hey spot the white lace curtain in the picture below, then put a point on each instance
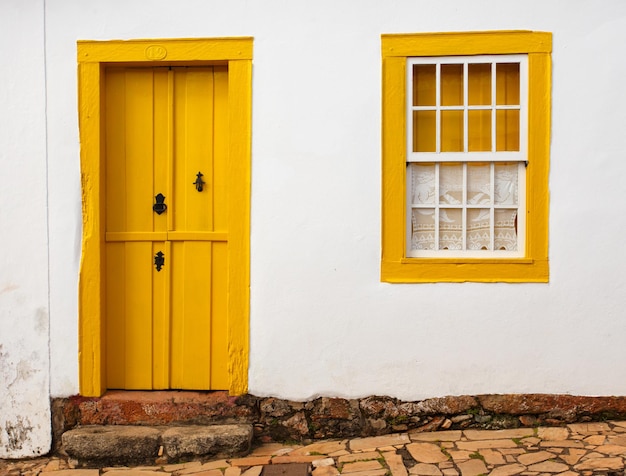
(487, 194)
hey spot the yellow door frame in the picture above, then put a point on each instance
(93, 58)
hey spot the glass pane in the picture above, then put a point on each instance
(478, 184)
(505, 230)
(507, 130)
(423, 184)
(505, 186)
(423, 229)
(451, 84)
(451, 131)
(507, 84)
(479, 131)
(478, 229)
(450, 229)
(424, 85)
(424, 131)
(450, 184)
(479, 84)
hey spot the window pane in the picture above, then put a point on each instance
(507, 84)
(450, 184)
(450, 229)
(478, 184)
(479, 130)
(507, 130)
(505, 230)
(423, 184)
(424, 85)
(478, 229)
(479, 84)
(424, 131)
(451, 131)
(423, 229)
(505, 186)
(451, 84)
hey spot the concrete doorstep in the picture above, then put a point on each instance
(122, 445)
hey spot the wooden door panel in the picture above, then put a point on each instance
(138, 311)
(138, 148)
(139, 151)
(191, 315)
(134, 292)
(193, 148)
(115, 336)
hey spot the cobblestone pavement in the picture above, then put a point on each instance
(582, 448)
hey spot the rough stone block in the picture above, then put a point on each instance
(217, 440)
(112, 444)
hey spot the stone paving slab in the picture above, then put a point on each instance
(587, 449)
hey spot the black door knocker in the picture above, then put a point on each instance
(199, 183)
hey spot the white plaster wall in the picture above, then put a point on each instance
(321, 321)
(24, 357)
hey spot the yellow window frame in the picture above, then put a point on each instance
(395, 266)
(93, 57)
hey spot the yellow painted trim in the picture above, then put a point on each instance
(136, 236)
(395, 266)
(93, 56)
(163, 236)
(185, 50)
(240, 120)
(91, 286)
(197, 236)
(472, 43)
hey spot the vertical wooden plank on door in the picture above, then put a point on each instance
(139, 218)
(177, 275)
(160, 283)
(115, 123)
(219, 250)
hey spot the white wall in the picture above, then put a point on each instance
(24, 357)
(321, 321)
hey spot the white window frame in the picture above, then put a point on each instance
(491, 157)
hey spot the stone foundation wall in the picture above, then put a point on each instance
(282, 420)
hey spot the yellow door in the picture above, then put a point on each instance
(166, 146)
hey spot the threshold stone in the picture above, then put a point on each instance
(216, 440)
(123, 444)
(114, 444)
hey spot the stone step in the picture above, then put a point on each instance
(123, 444)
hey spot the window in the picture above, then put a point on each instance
(465, 157)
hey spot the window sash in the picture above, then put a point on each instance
(464, 206)
(438, 108)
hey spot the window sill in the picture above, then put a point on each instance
(459, 270)
(461, 260)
